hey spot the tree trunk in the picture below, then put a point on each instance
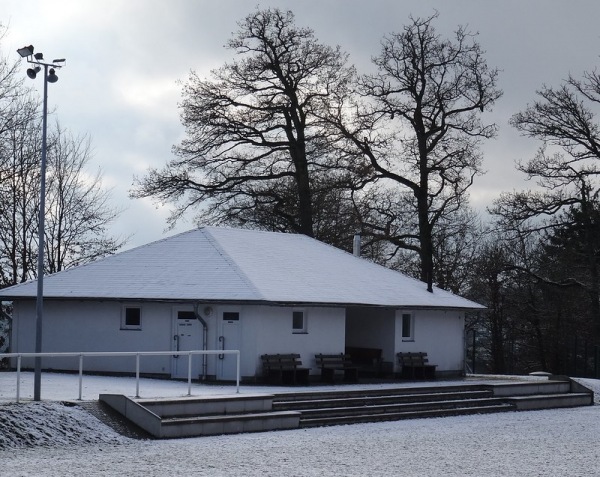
(305, 212)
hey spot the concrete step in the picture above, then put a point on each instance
(218, 415)
(208, 405)
(551, 401)
(373, 400)
(378, 392)
(399, 407)
(396, 416)
(530, 388)
(229, 424)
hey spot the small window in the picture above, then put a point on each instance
(298, 322)
(186, 315)
(231, 316)
(132, 318)
(407, 327)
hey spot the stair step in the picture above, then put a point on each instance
(193, 406)
(379, 400)
(400, 407)
(551, 401)
(395, 391)
(397, 416)
(229, 424)
(173, 421)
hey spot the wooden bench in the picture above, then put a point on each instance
(284, 369)
(416, 366)
(332, 363)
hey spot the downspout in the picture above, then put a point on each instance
(204, 339)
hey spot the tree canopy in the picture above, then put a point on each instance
(418, 125)
(255, 147)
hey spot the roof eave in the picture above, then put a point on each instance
(287, 303)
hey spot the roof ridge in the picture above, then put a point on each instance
(207, 232)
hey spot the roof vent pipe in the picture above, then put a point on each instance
(356, 245)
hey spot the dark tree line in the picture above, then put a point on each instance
(542, 276)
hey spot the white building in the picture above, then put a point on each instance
(259, 292)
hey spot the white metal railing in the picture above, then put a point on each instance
(137, 355)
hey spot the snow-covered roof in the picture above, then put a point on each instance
(239, 265)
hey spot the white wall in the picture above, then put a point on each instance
(439, 334)
(96, 326)
(325, 333)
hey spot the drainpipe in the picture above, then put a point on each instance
(356, 245)
(204, 338)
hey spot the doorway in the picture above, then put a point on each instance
(229, 338)
(187, 336)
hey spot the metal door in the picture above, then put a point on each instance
(229, 338)
(187, 336)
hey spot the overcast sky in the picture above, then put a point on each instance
(124, 58)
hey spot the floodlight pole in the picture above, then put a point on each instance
(49, 76)
(39, 303)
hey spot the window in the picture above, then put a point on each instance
(298, 322)
(131, 318)
(186, 315)
(231, 316)
(407, 327)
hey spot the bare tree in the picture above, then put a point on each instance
(11, 88)
(418, 126)
(566, 173)
(255, 143)
(19, 192)
(78, 212)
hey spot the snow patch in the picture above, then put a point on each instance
(51, 424)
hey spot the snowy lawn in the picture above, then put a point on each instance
(541, 443)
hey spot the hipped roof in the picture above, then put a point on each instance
(213, 264)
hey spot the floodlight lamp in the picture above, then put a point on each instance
(52, 78)
(32, 72)
(25, 51)
(39, 56)
(60, 60)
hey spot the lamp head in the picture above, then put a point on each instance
(25, 51)
(52, 78)
(39, 56)
(32, 72)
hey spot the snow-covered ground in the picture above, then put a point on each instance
(59, 440)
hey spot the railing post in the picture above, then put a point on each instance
(80, 375)
(189, 373)
(474, 345)
(137, 375)
(237, 377)
(18, 377)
